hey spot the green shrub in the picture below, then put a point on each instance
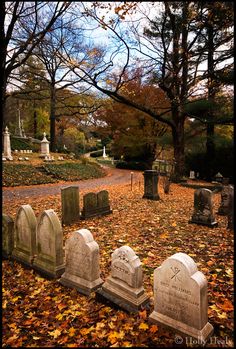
(21, 174)
(74, 171)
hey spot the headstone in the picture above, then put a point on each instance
(231, 211)
(95, 204)
(218, 177)
(82, 270)
(224, 206)
(124, 286)
(104, 152)
(44, 146)
(192, 175)
(151, 185)
(203, 208)
(7, 145)
(70, 204)
(4, 159)
(25, 235)
(180, 297)
(49, 245)
(7, 235)
(103, 205)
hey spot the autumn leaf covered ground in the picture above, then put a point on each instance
(38, 312)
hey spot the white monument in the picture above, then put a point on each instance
(7, 145)
(104, 152)
(44, 146)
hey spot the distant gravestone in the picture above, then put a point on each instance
(151, 185)
(49, 241)
(44, 146)
(231, 211)
(203, 208)
(7, 145)
(124, 286)
(70, 204)
(25, 235)
(95, 204)
(82, 270)
(192, 175)
(180, 297)
(7, 235)
(225, 194)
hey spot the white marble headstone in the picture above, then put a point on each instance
(124, 286)
(180, 297)
(82, 270)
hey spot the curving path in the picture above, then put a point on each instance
(114, 176)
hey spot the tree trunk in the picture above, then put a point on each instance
(210, 135)
(53, 118)
(35, 124)
(178, 144)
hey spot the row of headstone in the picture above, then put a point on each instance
(49, 158)
(180, 290)
(94, 204)
(203, 213)
(23, 158)
(28, 151)
(38, 245)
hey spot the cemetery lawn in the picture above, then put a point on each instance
(43, 313)
(17, 174)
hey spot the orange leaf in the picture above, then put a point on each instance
(143, 314)
(153, 329)
(226, 306)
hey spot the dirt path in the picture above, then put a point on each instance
(114, 176)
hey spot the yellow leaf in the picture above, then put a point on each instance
(222, 316)
(72, 331)
(164, 235)
(99, 325)
(126, 344)
(55, 333)
(59, 317)
(143, 326)
(36, 338)
(174, 224)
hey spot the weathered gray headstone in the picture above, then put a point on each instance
(49, 241)
(192, 175)
(124, 286)
(25, 235)
(203, 208)
(82, 270)
(70, 204)
(7, 235)
(180, 297)
(224, 205)
(95, 204)
(231, 211)
(151, 185)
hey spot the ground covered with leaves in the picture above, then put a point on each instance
(38, 312)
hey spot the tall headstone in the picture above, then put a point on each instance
(7, 145)
(231, 211)
(70, 204)
(44, 146)
(124, 286)
(104, 153)
(82, 270)
(151, 185)
(225, 194)
(7, 235)
(49, 245)
(203, 208)
(25, 235)
(180, 297)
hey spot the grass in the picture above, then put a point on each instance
(15, 174)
